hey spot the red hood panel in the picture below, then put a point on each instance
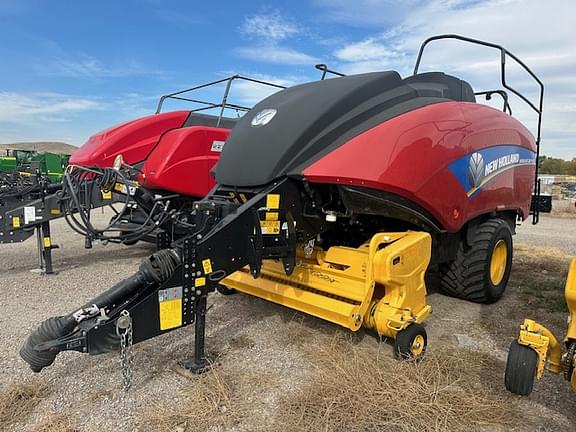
(410, 155)
(182, 160)
(134, 140)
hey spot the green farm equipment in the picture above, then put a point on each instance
(28, 162)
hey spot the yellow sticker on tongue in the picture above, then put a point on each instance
(273, 201)
(207, 264)
(170, 314)
(170, 308)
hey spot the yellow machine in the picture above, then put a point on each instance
(537, 348)
(379, 285)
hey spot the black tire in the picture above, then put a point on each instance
(520, 369)
(225, 290)
(468, 275)
(404, 344)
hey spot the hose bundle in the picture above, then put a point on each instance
(80, 186)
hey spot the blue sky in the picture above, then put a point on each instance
(71, 68)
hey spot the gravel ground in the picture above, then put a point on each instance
(552, 232)
(246, 333)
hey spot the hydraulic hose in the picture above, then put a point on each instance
(77, 213)
(156, 269)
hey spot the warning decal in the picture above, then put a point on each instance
(170, 302)
(29, 214)
(207, 265)
(270, 227)
(273, 201)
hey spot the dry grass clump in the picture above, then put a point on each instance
(348, 386)
(55, 423)
(355, 390)
(540, 274)
(18, 400)
(208, 403)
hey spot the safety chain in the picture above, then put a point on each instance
(124, 331)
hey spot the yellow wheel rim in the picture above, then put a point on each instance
(498, 262)
(417, 345)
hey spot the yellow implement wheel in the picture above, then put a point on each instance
(498, 262)
(411, 342)
(417, 346)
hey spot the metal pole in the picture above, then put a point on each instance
(224, 100)
(199, 364)
(39, 246)
(47, 247)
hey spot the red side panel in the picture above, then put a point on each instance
(182, 161)
(424, 155)
(134, 140)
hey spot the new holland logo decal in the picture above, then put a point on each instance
(263, 117)
(475, 170)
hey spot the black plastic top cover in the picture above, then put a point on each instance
(291, 129)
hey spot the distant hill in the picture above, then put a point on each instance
(41, 147)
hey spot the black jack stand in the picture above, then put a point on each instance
(45, 247)
(197, 298)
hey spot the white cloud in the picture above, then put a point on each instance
(46, 116)
(269, 26)
(275, 54)
(85, 66)
(54, 107)
(268, 30)
(539, 34)
(368, 13)
(367, 49)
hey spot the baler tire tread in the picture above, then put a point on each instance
(466, 276)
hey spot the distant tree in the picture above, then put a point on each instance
(550, 165)
(571, 167)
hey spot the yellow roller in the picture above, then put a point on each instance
(380, 284)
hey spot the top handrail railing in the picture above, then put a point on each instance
(223, 104)
(324, 68)
(503, 54)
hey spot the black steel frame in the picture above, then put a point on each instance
(325, 70)
(504, 53)
(223, 104)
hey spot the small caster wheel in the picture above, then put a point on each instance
(225, 290)
(520, 369)
(411, 342)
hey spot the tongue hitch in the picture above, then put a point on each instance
(170, 289)
(91, 328)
